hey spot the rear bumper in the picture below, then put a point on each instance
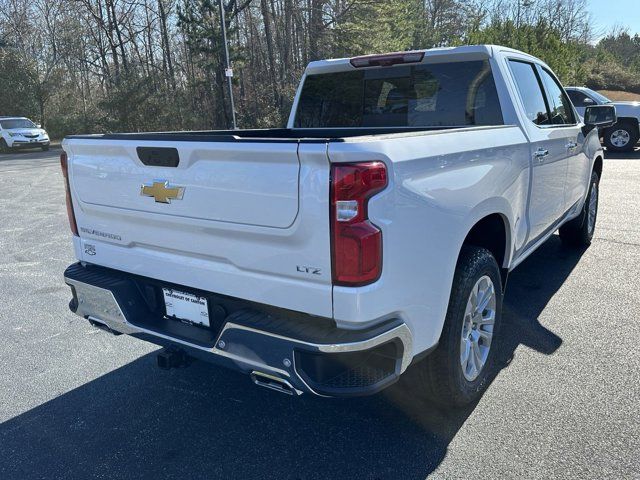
(309, 354)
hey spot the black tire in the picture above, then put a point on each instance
(4, 148)
(440, 375)
(45, 148)
(579, 231)
(618, 131)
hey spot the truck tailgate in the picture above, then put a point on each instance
(231, 217)
(226, 182)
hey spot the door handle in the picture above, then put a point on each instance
(541, 154)
(571, 145)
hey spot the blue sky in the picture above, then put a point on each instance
(607, 13)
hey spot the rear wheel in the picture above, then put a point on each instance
(622, 137)
(579, 231)
(460, 369)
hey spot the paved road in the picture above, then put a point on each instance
(79, 403)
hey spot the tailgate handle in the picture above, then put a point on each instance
(158, 156)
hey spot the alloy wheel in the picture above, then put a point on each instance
(620, 138)
(593, 208)
(477, 328)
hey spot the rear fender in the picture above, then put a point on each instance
(492, 206)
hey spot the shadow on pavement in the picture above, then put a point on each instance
(203, 422)
(32, 153)
(529, 289)
(622, 155)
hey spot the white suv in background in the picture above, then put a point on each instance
(20, 132)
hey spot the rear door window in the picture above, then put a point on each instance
(559, 104)
(439, 95)
(530, 92)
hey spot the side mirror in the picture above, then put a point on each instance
(599, 116)
(588, 101)
(38, 125)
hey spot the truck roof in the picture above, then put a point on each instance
(465, 52)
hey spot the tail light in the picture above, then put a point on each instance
(65, 174)
(356, 242)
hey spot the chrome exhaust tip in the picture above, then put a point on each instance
(273, 383)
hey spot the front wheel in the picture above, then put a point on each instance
(459, 370)
(621, 137)
(579, 231)
(4, 148)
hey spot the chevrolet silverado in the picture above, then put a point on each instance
(375, 232)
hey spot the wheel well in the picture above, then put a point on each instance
(490, 233)
(597, 166)
(631, 121)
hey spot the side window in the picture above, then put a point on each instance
(559, 104)
(530, 92)
(579, 99)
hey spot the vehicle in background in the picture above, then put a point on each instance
(376, 231)
(624, 135)
(20, 132)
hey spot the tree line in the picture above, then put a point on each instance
(143, 65)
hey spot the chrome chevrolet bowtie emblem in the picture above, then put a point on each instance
(162, 192)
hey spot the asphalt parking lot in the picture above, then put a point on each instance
(76, 402)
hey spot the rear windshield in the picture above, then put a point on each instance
(437, 95)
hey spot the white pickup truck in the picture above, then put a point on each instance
(377, 230)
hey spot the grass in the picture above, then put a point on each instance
(620, 96)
